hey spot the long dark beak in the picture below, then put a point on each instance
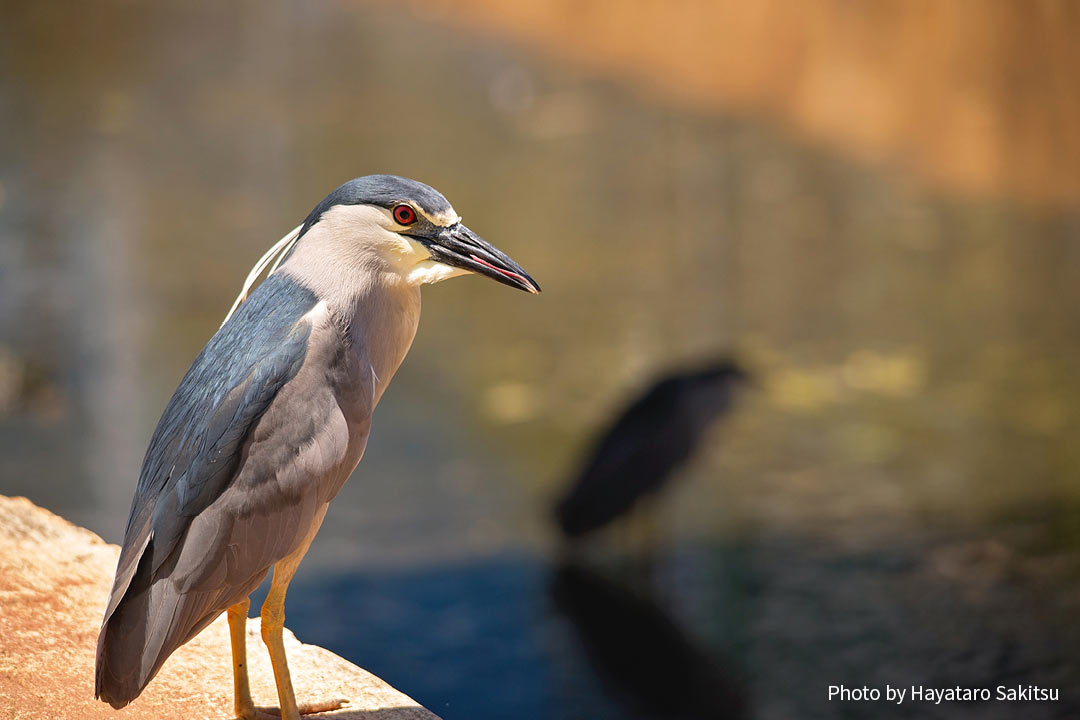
(459, 246)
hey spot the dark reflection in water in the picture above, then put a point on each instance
(897, 504)
(649, 662)
(762, 626)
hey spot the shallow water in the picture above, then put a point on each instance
(894, 500)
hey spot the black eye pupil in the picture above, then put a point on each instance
(404, 214)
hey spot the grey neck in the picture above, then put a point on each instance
(374, 310)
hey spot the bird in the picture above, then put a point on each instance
(270, 421)
(650, 439)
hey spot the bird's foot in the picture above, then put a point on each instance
(311, 708)
(307, 708)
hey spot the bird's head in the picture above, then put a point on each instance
(392, 226)
(411, 229)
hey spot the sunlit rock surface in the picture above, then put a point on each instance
(54, 580)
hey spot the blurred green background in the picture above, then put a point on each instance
(876, 206)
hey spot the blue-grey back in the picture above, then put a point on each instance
(230, 382)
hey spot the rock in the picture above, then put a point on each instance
(54, 581)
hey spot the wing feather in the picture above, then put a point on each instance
(192, 453)
(174, 577)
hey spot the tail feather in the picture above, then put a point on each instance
(148, 623)
(117, 677)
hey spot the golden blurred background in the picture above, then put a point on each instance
(973, 96)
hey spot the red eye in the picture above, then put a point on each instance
(404, 215)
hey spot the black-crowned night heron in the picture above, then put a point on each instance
(655, 434)
(269, 422)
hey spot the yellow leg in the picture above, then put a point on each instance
(242, 704)
(273, 622)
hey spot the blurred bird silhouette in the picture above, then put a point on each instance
(652, 437)
(648, 662)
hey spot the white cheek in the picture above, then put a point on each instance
(414, 263)
(429, 271)
(413, 251)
